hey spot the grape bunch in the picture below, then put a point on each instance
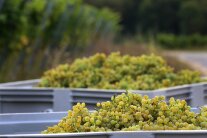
(118, 72)
(132, 112)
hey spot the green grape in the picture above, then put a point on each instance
(132, 112)
(147, 72)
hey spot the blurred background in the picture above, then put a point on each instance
(36, 35)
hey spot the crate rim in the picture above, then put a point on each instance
(110, 133)
(119, 90)
(2, 87)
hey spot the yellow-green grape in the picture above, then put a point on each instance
(132, 112)
(202, 118)
(147, 72)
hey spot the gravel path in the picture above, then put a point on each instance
(197, 60)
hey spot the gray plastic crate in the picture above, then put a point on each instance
(21, 84)
(24, 123)
(77, 135)
(31, 99)
(22, 100)
(31, 124)
(194, 94)
(139, 134)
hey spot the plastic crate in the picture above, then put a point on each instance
(31, 124)
(27, 96)
(22, 100)
(21, 84)
(140, 134)
(24, 123)
(194, 94)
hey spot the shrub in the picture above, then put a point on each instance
(171, 41)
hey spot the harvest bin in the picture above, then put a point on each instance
(25, 97)
(21, 100)
(31, 124)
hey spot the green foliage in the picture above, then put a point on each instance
(159, 16)
(182, 41)
(132, 112)
(22, 19)
(118, 72)
(33, 31)
(193, 16)
(162, 16)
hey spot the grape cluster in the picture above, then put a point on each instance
(118, 72)
(132, 112)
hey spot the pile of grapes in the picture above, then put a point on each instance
(118, 72)
(132, 112)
